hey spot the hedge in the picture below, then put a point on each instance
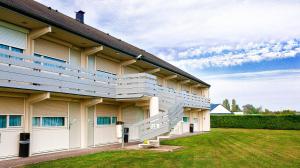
(282, 122)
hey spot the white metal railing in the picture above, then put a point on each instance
(156, 125)
(136, 85)
(18, 70)
(30, 72)
(143, 84)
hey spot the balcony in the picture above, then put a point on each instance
(35, 73)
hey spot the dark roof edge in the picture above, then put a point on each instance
(37, 17)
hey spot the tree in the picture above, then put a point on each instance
(226, 104)
(234, 106)
(250, 109)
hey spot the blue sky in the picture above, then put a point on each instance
(246, 49)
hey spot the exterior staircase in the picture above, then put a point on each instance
(171, 105)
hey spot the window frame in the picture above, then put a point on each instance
(8, 121)
(51, 59)
(7, 126)
(188, 119)
(66, 122)
(111, 121)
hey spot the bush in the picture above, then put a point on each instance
(282, 122)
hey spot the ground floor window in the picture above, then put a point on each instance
(48, 121)
(15, 120)
(10, 121)
(36, 121)
(106, 120)
(103, 120)
(113, 120)
(185, 119)
(53, 121)
(3, 121)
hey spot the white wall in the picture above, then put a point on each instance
(49, 139)
(105, 134)
(9, 142)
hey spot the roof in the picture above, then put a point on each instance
(213, 106)
(220, 110)
(41, 12)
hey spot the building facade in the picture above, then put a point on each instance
(67, 84)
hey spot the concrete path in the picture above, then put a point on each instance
(58, 155)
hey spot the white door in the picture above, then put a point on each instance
(74, 121)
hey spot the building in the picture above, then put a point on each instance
(67, 84)
(218, 109)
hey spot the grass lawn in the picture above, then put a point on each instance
(219, 148)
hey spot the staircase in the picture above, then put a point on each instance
(171, 103)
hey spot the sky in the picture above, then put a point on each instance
(246, 49)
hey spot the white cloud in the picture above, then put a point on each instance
(230, 55)
(270, 91)
(160, 23)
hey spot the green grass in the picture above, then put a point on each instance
(219, 148)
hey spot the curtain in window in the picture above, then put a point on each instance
(185, 119)
(3, 121)
(36, 121)
(113, 120)
(53, 65)
(18, 50)
(2, 46)
(15, 120)
(37, 55)
(103, 120)
(53, 121)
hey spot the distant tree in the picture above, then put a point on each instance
(238, 108)
(226, 104)
(234, 106)
(250, 109)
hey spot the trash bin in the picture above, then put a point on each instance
(126, 135)
(24, 144)
(191, 128)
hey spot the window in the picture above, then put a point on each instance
(49, 58)
(53, 121)
(185, 119)
(3, 119)
(15, 120)
(103, 120)
(17, 50)
(14, 49)
(10, 121)
(2, 46)
(113, 120)
(36, 121)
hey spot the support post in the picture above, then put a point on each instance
(154, 106)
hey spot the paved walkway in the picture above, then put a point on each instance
(58, 155)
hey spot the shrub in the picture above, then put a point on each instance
(282, 122)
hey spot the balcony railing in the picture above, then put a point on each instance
(142, 84)
(30, 72)
(35, 73)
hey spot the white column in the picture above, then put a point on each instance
(206, 120)
(83, 126)
(154, 106)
